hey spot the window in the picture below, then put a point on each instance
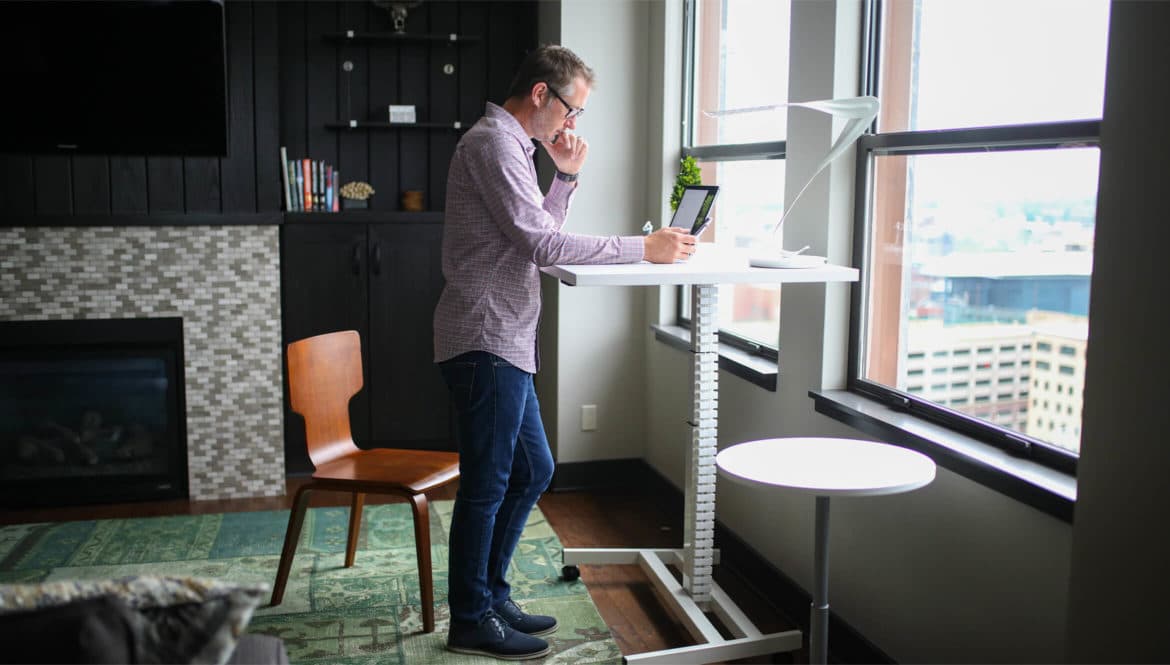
(1067, 350)
(743, 154)
(976, 215)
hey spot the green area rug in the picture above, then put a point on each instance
(362, 615)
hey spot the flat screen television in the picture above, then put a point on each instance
(129, 77)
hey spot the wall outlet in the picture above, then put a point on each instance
(588, 417)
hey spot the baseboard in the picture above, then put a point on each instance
(599, 474)
(846, 645)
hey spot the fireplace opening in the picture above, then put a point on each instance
(91, 411)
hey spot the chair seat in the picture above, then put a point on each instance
(415, 471)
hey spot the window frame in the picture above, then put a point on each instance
(1027, 136)
(729, 152)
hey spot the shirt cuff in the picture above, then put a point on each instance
(561, 193)
(633, 248)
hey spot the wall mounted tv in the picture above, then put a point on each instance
(129, 77)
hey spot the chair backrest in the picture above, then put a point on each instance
(324, 372)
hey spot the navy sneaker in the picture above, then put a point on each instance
(495, 638)
(532, 624)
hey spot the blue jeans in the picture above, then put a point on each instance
(504, 466)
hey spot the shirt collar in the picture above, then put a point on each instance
(509, 124)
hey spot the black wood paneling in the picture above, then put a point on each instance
(353, 95)
(128, 192)
(91, 185)
(412, 89)
(266, 97)
(323, 72)
(285, 82)
(383, 81)
(16, 189)
(444, 100)
(238, 169)
(54, 185)
(292, 78)
(201, 186)
(164, 177)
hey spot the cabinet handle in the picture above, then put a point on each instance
(357, 259)
(376, 268)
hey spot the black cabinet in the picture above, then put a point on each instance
(381, 279)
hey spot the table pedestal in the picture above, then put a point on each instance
(818, 639)
(698, 593)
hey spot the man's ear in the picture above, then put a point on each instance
(538, 93)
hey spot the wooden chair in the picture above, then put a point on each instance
(324, 372)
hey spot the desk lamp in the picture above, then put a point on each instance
(861, 112)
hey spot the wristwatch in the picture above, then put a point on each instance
(567, 177)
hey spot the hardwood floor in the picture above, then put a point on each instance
(623, 594)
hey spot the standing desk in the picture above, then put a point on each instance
(698, 593)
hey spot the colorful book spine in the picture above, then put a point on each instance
(328, 187)
(284, 177)
(290, 177)
(307, 167)
(300, 189)
(336, 186)
(318, 200)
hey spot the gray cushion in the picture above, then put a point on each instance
(254, 649)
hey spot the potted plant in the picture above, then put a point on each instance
(356, 195)
(688, 174)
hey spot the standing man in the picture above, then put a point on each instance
(499, 230)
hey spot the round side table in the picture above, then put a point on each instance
(825, 468)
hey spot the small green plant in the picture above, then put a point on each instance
(688, 174)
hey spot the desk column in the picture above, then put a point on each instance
(699, 520)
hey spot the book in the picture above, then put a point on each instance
(318, 200)
(284, 177)
(328, 187)
(307, 168)
(336, 186)
(300, 193)
(290, 177)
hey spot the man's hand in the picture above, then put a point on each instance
(669, 245)
(568, 153)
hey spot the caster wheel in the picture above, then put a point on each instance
(570, 573)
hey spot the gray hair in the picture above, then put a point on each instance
(555, 65)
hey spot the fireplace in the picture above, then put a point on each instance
(91, 411)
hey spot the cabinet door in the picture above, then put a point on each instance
(325, 288)
(409, 405)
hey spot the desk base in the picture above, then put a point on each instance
(712, 646)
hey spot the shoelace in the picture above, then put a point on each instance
(498, 624)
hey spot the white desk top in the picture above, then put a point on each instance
(710, 265)
(826, 467)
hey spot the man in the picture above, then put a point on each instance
(499, 230)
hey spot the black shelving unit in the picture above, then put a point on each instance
(368, 124)
(353, 36)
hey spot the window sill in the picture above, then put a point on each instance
(753, 369)
(1045, 489)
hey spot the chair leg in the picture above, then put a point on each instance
(422, 545)
(292, 535)
(355, 527)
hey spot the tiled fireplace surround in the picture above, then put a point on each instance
(224, 281)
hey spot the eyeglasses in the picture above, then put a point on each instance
(572, 111)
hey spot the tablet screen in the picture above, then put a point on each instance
(694, 207)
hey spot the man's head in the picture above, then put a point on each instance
(551, 86)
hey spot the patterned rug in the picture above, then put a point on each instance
(362, 615)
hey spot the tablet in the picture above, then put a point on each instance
(694, 208)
